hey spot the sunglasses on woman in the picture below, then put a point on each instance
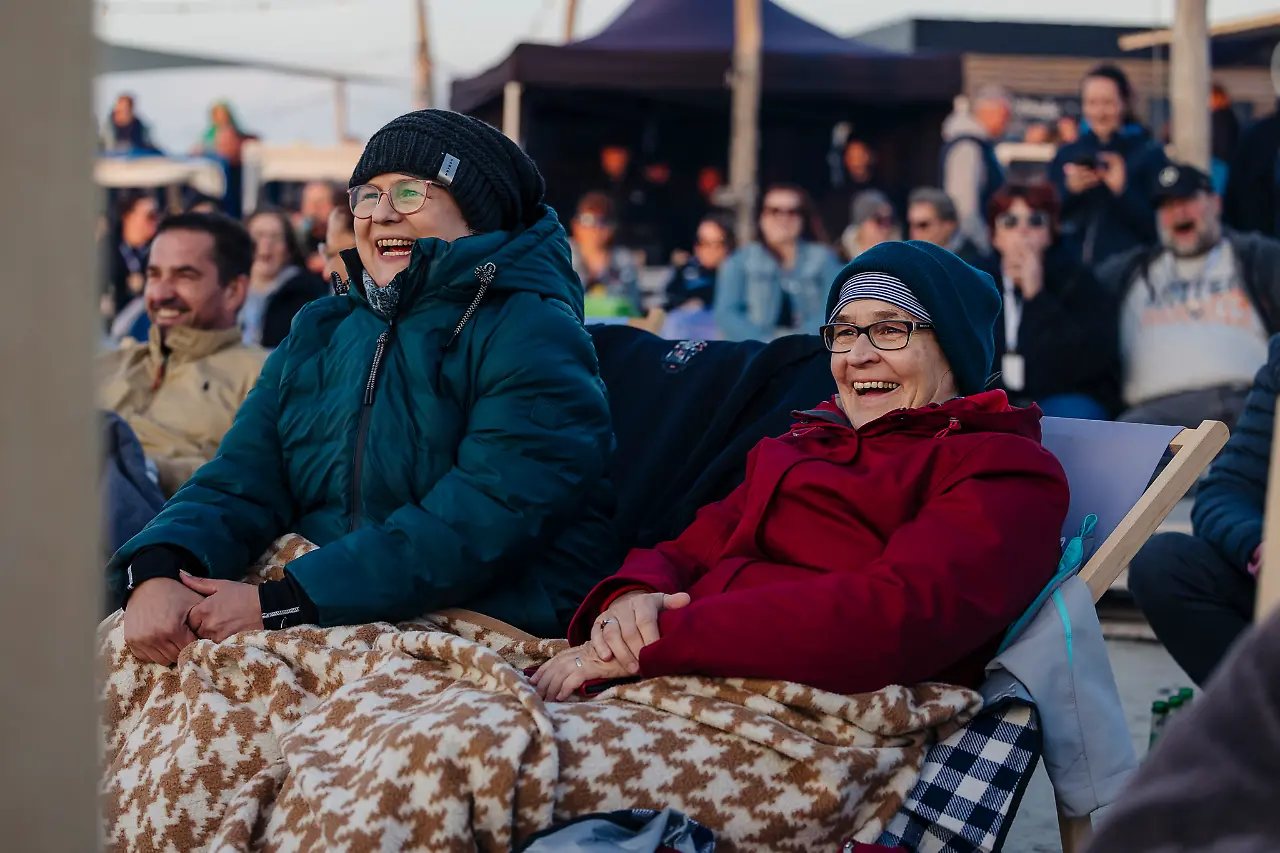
(593, 220)
(406, 196)
(1035, 219)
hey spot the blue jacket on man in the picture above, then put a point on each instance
(1229, 504)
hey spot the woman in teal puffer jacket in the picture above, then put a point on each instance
(440, 430)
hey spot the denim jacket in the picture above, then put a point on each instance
(750, 287)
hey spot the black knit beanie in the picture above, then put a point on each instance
(495, 184)
(963, 302)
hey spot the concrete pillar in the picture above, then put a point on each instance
(1189, 81)
(50, 561)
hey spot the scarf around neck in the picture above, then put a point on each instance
(384, 300)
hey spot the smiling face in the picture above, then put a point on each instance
(182, 284)
(781, 217)
(1102, 105)
(711, 246)
(857, 159)
(270, 249)
(1190, 226)
(138, 225)
(220, 116)
(993, 114)
(614, 161)
(122, 111)
(876, 229)
(924, 223)
(871, 382)
(385, 240)
(317, 201)
(592, 227)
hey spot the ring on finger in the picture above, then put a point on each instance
(604, 622)
(577, 662)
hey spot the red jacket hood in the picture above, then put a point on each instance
(986, 412)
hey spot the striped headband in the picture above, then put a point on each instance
(882, 286)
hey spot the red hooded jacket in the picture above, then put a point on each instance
(853, 559)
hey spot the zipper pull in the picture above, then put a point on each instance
(484, 274)
(953, 425)
(372, 385)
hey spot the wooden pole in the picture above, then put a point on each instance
(570, 19)
(341, 124)
(744, 133)
(50, 557)
(422, 61)
(1189, 82)
(511, 94)
(1269, 577)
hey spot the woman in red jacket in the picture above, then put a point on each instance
(890, 538)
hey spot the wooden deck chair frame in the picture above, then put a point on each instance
(1193, 450)
(1269, 576)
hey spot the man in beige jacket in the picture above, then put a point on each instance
(180, 389)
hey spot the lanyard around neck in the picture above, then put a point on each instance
(1012, 315)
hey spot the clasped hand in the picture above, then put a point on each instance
(617, 636)
(165, 616)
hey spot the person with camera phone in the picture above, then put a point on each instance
(1102, 177)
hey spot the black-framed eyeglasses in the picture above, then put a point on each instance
(887, 335)
(1034, 219)
(406, 196)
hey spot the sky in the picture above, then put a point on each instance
(467, 36)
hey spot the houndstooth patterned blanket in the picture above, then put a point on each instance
(426, 736)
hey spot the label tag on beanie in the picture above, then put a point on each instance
(448, 169)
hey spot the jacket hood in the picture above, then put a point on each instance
(534, 259)
(957, 125)
(986, 412)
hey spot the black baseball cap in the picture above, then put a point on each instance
(1179, 180)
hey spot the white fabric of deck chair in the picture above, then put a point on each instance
(1108, 465)
(1060, 659)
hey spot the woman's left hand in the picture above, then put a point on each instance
(1115, 174)
(559, 678)
(229, 609)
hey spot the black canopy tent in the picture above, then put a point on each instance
(655, 80)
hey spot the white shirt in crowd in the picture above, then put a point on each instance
(1188, 325)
